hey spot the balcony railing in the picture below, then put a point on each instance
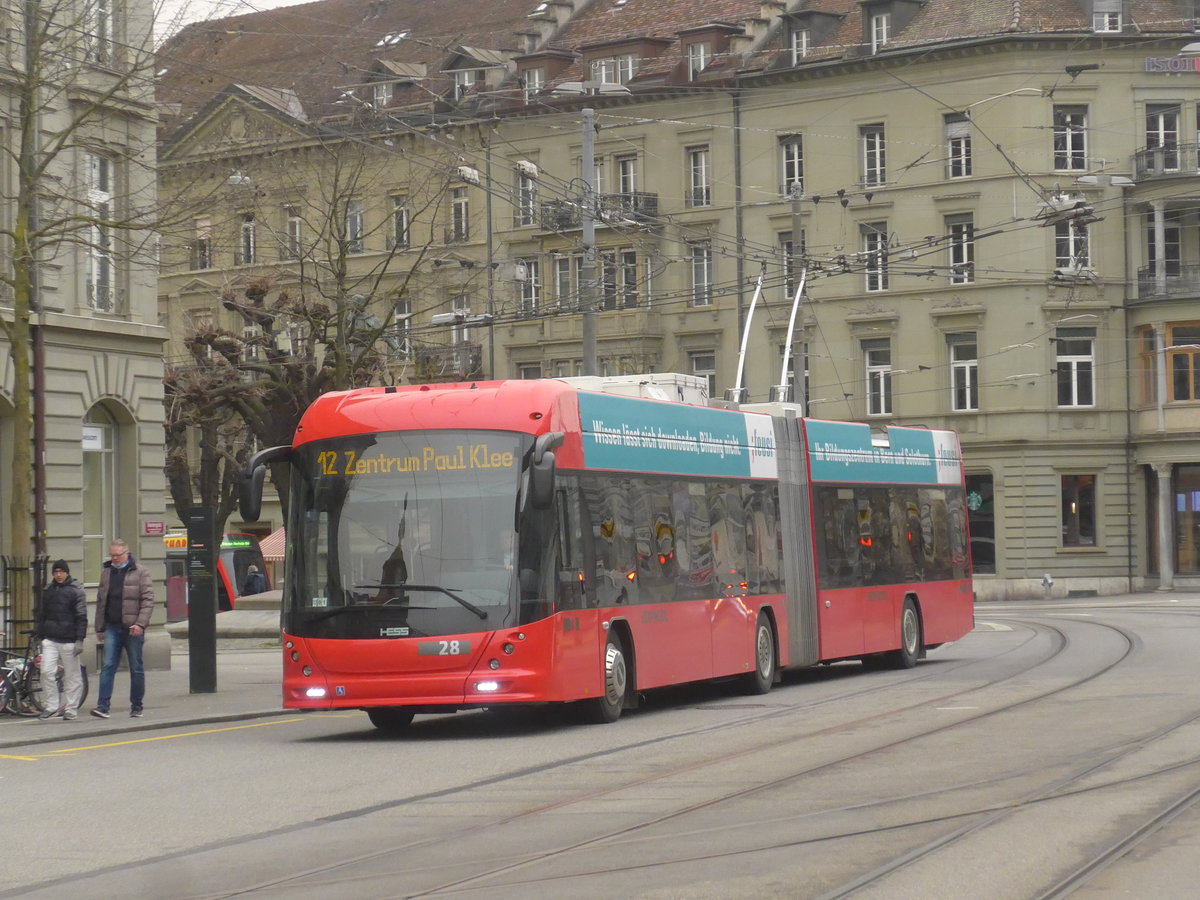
(1166, 162)
(637, 207)
(460, 361)
(1179, 281)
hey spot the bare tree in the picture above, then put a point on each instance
(333, 310)
(74, 85)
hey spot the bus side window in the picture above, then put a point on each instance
(573, 539)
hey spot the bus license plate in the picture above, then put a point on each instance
(443, 648)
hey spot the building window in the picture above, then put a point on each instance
(699, 55)
(460, 331)
(1106, 16)
(961, 232)
(100, 491)
(465, 80)
(791, 149)
(292, 233)
(101, 289)
(699, 185)
(1147, 365)
(1078, 510)
(702, 273)
(789, 265)
(399, 238)
(798, 46)
(615, 69)
(535, 80)
(981, 521)
(881, 30)
(958, 145)
(566, 279)
(704, 364)
(526, 213)
(877, 354)
(354, 226)
(627, 278)
(202, 246)
(1070, 138)
(381, 94)
(1072, 248)
(531, 289)
(1075, 366)
(964, 372)
(530, 371)
(402, 327)
(460, 215)
(1162, 134)
(1172, 249)
(1183, 361)
(627, 174)
(875, 255)
(247, 240)
(99, 31)
(798, 358)
(874, 154)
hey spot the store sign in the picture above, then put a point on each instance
(154, 528)
(1172, 64)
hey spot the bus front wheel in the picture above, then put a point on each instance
(760, 680)
(390, 718)
(615, 677)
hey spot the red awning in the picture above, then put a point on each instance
(272, 545)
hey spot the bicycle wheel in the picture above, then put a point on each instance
(83, 677)
(32, 684)
(6, 694)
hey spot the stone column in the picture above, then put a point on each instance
(1166, 535)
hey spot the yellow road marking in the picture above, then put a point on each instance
(171, 737)
(25, 758)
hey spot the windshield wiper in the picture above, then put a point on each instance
(462, 601)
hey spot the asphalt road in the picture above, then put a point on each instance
(1053, 750)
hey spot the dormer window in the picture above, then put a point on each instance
(381, 94)
(464, 80)
(533, 82)
(615, 69)
(798, 44)
(881, 30)
(699, 55)
(1106, 16)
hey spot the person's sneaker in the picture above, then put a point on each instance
(49, 714)
(136, 712)
(69, 716)
(100, 713)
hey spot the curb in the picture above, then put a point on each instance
(73, 734)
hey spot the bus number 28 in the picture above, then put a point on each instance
(443, 648)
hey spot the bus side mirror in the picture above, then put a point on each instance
(254, 473)
(541, 469)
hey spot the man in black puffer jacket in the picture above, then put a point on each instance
(62, 623)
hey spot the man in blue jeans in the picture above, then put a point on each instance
(124, 602)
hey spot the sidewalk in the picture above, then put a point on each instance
(248, 686)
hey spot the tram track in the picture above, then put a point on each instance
(1059, 642)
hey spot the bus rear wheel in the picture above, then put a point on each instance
(390, 718)
(910, 639)
(760, 680)
(615, 677)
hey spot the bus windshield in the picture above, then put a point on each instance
(403, 534)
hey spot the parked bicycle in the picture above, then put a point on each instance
(21, 678)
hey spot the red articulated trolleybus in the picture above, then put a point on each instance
(459, 546)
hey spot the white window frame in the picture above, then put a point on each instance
(202, 245)
(791, 152)
(247, 254)
(699, 56)
(566, 281)
(101, 272)
(958, 145)
(355, 226)
(1106, 22)
(881, 30)
(960, 232)
(964, 372)
(1072, 246)
(381, 94)
(402, 326)
(704, 364)
(401, 223)
(877, 360)
(460, 215)
(1075, 367)
(464, 80)
(293, 232)
(699, 176)
(700, 258)
(627, 174)
(873, 142)
(527, 205)
(534, 81)
(798, 44)
(1162, 133)
(531, 289)
(1070, 138)
(875, 255)
(100, 31)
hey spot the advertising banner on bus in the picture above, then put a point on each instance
(633, 435)
(848, 451)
